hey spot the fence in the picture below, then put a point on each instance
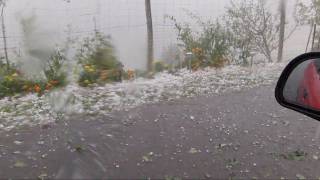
(124, 20)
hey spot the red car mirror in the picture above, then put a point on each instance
(299, 85)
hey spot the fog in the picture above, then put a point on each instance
(124, 20)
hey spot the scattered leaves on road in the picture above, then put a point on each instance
(172, 178)
(194, 151)
(295, 155)
(42, 176)
(231, 163)
(300, 176)
(17, 142)
(20, 164)
(148, 157)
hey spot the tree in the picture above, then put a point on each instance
(150, 55)
(253, 27)
(306, 14)
(282, 9)
(309, 14)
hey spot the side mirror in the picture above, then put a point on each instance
(299, 85)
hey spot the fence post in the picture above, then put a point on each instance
(150, 55)
(4, 35)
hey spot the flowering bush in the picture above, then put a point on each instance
(13, 82)
(88, 76)
(54, 72)
(9, 84)
(98, 61)
(210, 46)
(130, 74)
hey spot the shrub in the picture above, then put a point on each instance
(14, 82)
(98, 60)
(210, 46)
(10, 84)
(88, 76)
(160, 66)
(54, 72)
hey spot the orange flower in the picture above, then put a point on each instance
(37, 88)
(197, 51)
(54, 82)
(104, 75)
(48, 86)
(131, 74)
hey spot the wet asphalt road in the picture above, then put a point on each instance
(234, 135)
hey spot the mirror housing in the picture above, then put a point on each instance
(289, 75)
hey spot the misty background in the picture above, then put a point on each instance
(125, 21)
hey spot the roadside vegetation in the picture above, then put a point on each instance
(98, 61)
(215, 78)
(246, 30)
(13, 81)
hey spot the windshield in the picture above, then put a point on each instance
(161, 89)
